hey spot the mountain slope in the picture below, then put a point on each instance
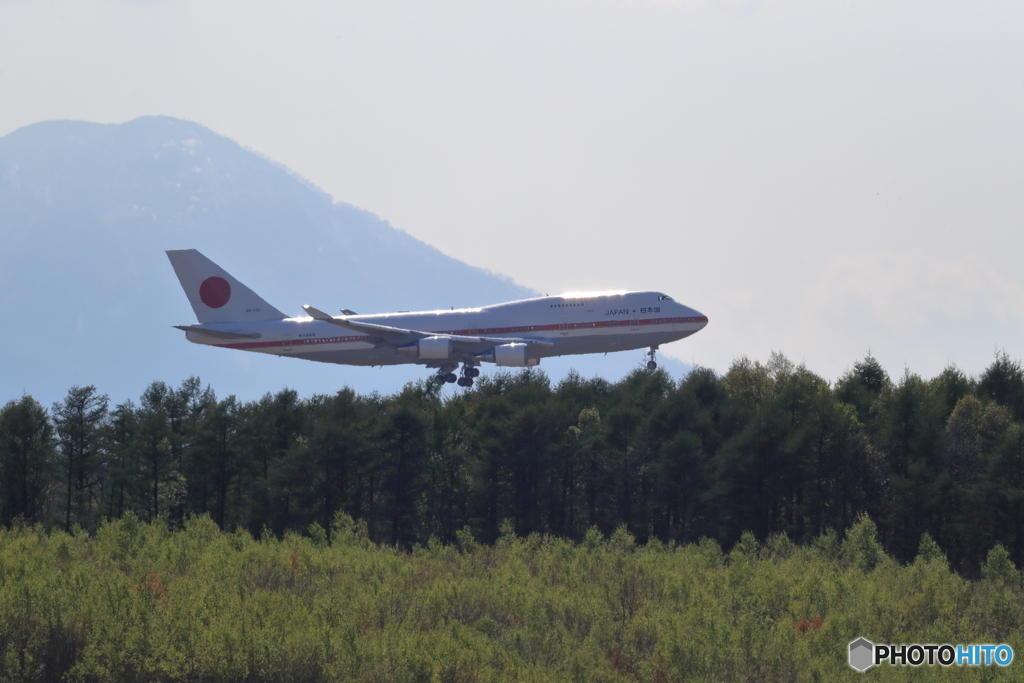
(88, 296)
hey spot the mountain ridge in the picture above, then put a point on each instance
(88, 209)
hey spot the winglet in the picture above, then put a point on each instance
(317, 314)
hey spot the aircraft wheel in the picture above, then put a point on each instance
(440, 379)
(474, 372)
(461, 381)
(469, 382)
(450, 377)
(651, 365)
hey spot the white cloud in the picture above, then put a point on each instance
(914, 291)
(717, 150)
(909, 308)
(731, 5)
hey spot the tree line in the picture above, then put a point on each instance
(767, 448)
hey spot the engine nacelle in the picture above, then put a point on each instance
(435, 348)
(512, 356)
(430, 348)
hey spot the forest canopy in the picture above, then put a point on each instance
(767, 448)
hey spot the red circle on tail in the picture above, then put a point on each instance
(215, 291)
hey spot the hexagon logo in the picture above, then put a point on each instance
(862, 653)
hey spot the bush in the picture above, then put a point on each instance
(140, 603)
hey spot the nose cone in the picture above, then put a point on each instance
(695, 317)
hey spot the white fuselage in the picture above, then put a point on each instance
(587, 323)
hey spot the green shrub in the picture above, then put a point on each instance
(140, 603)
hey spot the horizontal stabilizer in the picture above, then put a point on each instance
(216, 334)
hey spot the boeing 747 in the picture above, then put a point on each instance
(515, 334)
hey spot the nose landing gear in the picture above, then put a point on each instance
(651, 364)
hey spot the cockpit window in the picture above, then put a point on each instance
(665, 297)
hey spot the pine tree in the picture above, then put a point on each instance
(27, 464)
(1003, 382)
(80, 422)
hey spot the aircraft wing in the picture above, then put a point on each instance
(399, 336)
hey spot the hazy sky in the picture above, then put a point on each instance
(818, 177)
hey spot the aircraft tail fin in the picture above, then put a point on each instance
(216, 297)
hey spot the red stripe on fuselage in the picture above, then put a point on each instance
(488, 331)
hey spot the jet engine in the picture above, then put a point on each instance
(430, 348)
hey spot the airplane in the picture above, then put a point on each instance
(516, 334)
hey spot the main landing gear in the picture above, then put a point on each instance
(651, 364)
(468, 373)
(445, 374)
